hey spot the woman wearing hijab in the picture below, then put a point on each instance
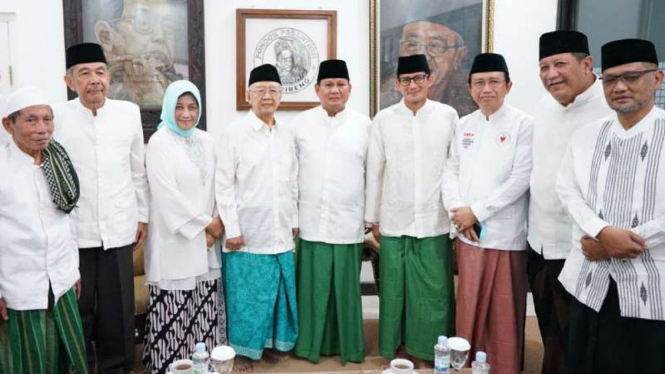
(182, 258)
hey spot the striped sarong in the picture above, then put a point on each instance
(491, 304)
(44, 341)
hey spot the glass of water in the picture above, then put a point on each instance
(459, 352)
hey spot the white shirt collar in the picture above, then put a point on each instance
(341, 116)
(405, 110)
(19, 154)
(496, 116)
(585, 96)
(638, 127)
(257, 123)
(87, 111)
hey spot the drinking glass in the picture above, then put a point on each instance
(222, 359)
(459, 352)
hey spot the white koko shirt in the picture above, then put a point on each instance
(37, 242)
(332, 154)
(257, 185)
(550, 226)
(181, 172)
(405, 163)
(108, 154)
(615, 177)
(488, 169)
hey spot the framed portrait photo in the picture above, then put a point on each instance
(448, 32)
(148, 44)
(294, 41)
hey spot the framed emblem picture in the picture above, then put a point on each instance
(148, 44)
(294, 41)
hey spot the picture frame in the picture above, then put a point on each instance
(449, 32)
(295, 41)
(147, 47)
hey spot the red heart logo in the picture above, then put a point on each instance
(503, 138)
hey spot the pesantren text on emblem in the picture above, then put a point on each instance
(294, 54)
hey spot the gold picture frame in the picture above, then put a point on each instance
(481, 11)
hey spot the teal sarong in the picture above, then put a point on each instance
(417, 295)
(330, 313)
(44, 341)
(261, 307)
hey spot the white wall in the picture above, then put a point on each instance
(37, 44)
(518, 25)
(352, 46)
(38, 57)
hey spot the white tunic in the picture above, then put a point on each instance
(554, 124)
(405, 163)
(489, 169)
(257, 185)
(108, 153)
(37, 241)
(181, 173)
(615, 177)
(332, 154)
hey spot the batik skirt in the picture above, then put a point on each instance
(178, 319)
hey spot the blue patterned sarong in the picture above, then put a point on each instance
(260, 302)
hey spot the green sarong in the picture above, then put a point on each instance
(261, 310)
(416, 297)
(330, 314)
(44, 341)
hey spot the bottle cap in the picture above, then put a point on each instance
(481, 356)
(200, 347)
(443, 340)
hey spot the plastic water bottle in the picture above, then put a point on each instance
(441, 356)
(200, 359)
(480, 366)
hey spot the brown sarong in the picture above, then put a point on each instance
(491, 304)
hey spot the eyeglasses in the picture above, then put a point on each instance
(629, 77)
(144, 21)
(480, 84)
(418, 79)
(263, 91)
(433, 47)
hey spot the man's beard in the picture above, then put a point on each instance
(630, 108)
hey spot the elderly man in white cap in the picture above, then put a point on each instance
(4, 135)
(40, 326)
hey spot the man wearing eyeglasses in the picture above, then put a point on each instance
(408, 149)
(611, 183)
(445, 51)
(574, 99)
(139, 39)
(257, 196)
(484, 190)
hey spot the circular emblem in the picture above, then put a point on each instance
(293, 53)
(503, 139)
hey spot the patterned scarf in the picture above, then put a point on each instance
(61, 176)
